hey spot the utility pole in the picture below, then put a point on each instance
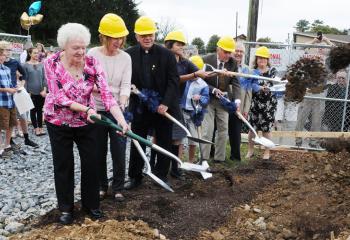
(236, 24)
(253, 20)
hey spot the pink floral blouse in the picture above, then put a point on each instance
(64, 90)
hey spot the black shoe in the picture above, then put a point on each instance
(133, 183)
(218, 161)
(177, 173)
(66, 218)
(30, 143)
(93, 213)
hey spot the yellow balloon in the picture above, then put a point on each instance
(36, 19)
(27, 22)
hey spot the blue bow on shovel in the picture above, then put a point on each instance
(229, 106)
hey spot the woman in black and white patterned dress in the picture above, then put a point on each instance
(264, 103)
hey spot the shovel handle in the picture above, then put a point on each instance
(247, 123)
(171, 118)
(107, 122)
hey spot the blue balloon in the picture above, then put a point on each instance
(34, 8)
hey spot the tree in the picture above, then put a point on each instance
(302, 25)
(318, 26)
(265, 39)
(56, 13)
(165, 26)
(211, 46)
(199, 43)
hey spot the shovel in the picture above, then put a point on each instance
(174, 120)
(259, 140)
(201, 162)
(274, 80)
(186, 166)
(148, 167)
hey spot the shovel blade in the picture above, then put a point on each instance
(265, 142)
(199, 140)
(194, 167)
(160, 182)
(206, 175)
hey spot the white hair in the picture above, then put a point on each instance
(240, 45)
(72, 31)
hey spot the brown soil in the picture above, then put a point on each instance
(299, 196)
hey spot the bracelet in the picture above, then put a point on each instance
(88, 109)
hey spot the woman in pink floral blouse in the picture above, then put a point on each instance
(71, 76)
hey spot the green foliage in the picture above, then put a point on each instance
(199, 43)
(317, 26)
(56, 13)
(265, 39)
(302, 25)
(211, 46)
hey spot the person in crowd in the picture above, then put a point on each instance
(234, 124)
(23, 56)
(334, 110)
(264, 103)
(71, 77)
(36, 87)
(220, 85)
(194, 100)
(175, 42)
(117, 66)
(15, 68)
(41, 52)
(154, 68)
(7, 105)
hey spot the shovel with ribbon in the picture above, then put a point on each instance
(231, 108)
(151, 100)
(184, 165)
(197, 118)
(237, 74)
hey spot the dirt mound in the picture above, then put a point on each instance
(310, 201)
(296, 195)
(89, 230)
(336, 145)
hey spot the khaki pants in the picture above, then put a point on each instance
(218, 113)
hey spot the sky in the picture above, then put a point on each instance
(203, 18)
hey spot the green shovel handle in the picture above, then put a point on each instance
(109, 123)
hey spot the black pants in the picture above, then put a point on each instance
(234, 133)
(163, 131)
(117, 148)
(36, 114)
(62, 138)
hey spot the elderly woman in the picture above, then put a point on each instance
(117, 66)
(71, 77)
(264, 103)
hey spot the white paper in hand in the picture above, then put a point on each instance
(23, 100)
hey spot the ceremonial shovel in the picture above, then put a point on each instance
(184, 165)
(259, 140)
(134, 90)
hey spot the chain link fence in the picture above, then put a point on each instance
(19, 43)
(322, 113)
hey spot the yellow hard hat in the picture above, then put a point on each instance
(145, 25)
(176, 36)
(262, 52)
(227, 43)
(198, 61)
(112, 25)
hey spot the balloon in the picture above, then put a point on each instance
(27, 22)
(34, 8)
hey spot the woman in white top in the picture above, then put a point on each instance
(117, 66)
